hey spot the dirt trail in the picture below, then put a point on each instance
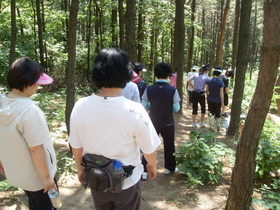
(166, 192)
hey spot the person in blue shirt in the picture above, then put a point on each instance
(162, 100)
(198, 94)
(215, 97)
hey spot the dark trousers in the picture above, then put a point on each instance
(38, 200)
(198, 98)
(128, 199)
(190, 96)
(168, 136)
(215, 109)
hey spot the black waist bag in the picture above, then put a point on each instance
(99, 174)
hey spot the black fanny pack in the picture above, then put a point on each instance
(103, 174)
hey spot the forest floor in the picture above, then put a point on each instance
(166, 192)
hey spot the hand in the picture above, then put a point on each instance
(80, 175)
(49, 184)
(152, 171)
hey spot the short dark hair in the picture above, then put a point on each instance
(138, 67)
(23, 72)
(111, 69)
(163, 70)
(217, 71)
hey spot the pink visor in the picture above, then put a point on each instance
(44, 79)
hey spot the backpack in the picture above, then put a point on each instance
(100, 175)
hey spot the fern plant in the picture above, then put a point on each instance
(199, 158)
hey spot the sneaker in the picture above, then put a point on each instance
(194, 125)
(224, 115)
(202, 124)
(167, 172)
(144, 176)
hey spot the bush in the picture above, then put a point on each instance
(199, 158)
(268, 156)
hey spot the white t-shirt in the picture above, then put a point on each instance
(130, 91)
(115, 128)
(190, 74)
(23, 125)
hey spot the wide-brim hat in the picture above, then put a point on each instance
(44, 79)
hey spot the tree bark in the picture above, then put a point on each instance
(179, 43)
(13, 33)
(141, 35)
(130, 46)
(40, 32)
(221, 36)
(191, 37)
(89, 26)
(235, 34)
(243, 176)
(114, 25)
(241, 65)
(121, 23)
(70, 70)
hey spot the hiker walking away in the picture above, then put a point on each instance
(198, 94)
(162, 100)
(215, 98)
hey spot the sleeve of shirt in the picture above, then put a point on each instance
(136, 96)
(146, 104)
(74, 139)
(145, 100)
(146, 136)
(176, 97)
(34, 127)
(176, 107)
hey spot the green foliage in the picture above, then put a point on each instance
(268, 156)
(199, 158)
(271, 195)
(5, 185)
(53, 105)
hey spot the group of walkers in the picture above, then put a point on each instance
(212, 90)
(105, 124)
(122, 122)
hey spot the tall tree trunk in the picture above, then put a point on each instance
(114, 25)
(235, 34)
(141, 35)
(243, 176)
(13, 33)
(71, 62)
(89, 40)
(121, 23)
(241, 65)
(40, 32)
(130, 46)
(191, 37)
(96, 28)
(221, 36)
(34, 29)
(179, 43)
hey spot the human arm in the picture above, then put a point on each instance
(151, 166)
(222, 94)
(38, 155)
(207, 89)
(2, 171)
(226, 90)
(190, 83)
(175, 107)
(78, 156)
